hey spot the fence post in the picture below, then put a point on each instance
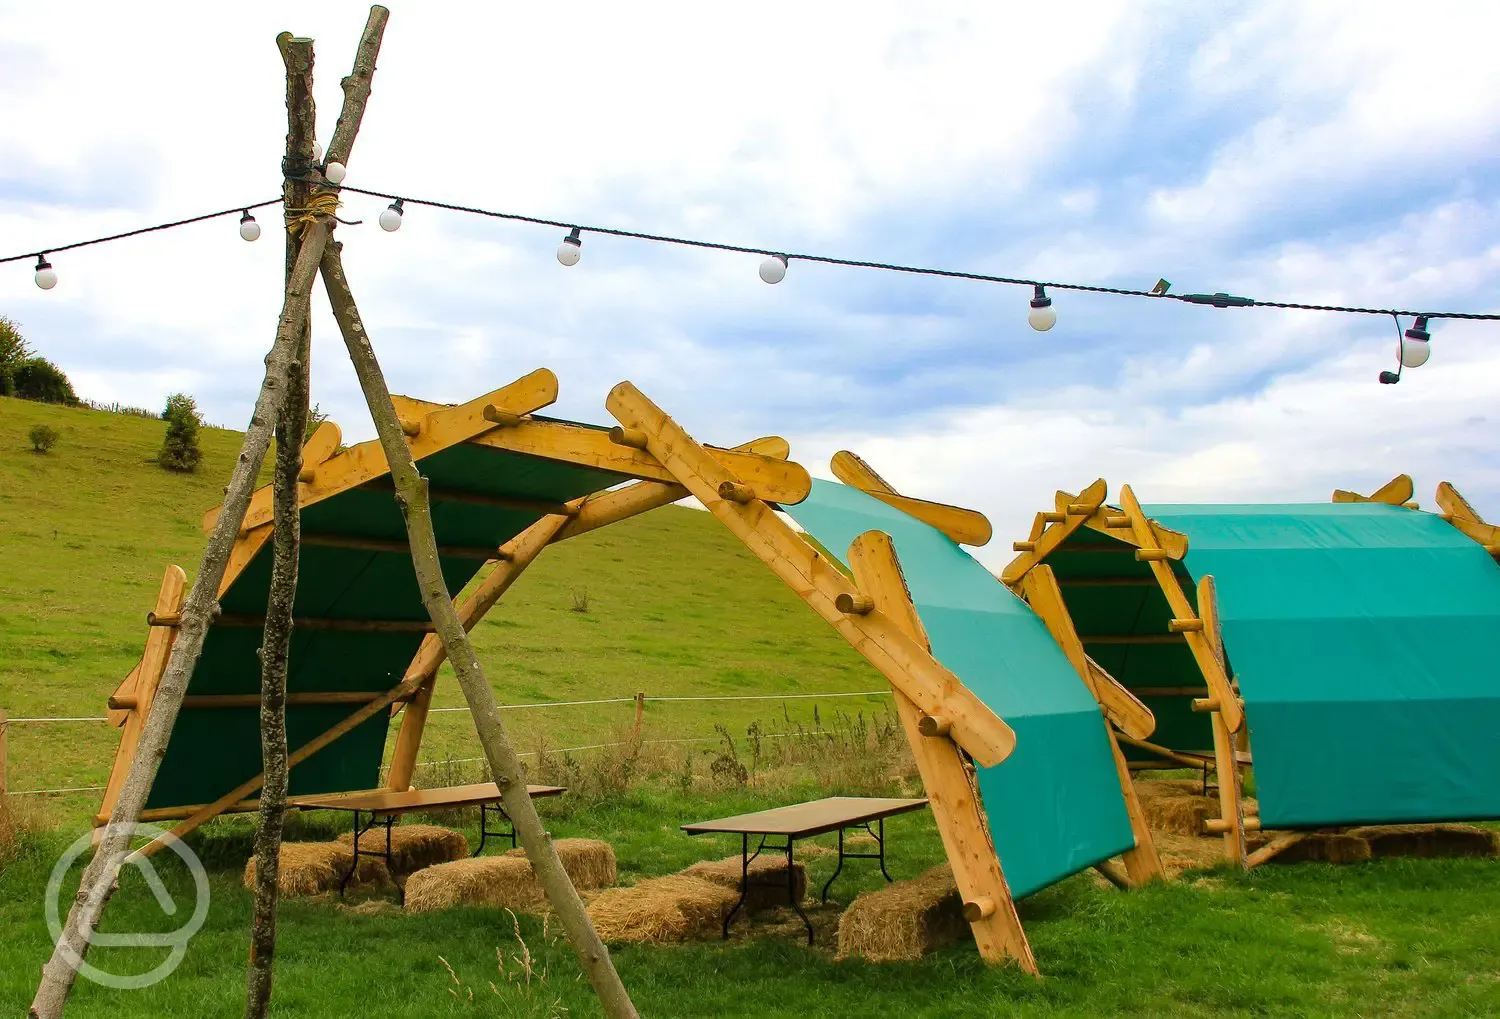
(4, 726)
(635, 732)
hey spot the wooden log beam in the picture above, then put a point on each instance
(543, 507)
(1203, 652)
(963, 526)
(1226, 750)
(1086, 504)
(485, 553)
(934, 689)
(1395, 492)
(988, 905)
(1132, 638)
(1458, 512)
(239, 621)
(251, 700)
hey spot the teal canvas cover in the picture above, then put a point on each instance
(1366, 641)
(1054, 805)
(213, 750)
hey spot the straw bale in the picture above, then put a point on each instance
(671, 908)
(506, 882)
(590, 863)
(1176, 805)
(1357, 845)
(413, 846)
(903, 921)
(767, 879)
(312, 868)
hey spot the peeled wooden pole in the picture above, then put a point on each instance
(505, 766)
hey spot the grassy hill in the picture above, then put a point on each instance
(676, 607)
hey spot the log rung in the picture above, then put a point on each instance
(410, 427)
(734, 491)
(503, 418)
(1081, 509)
(854, 604)
(632, 437)
(1151, 555)
(1116, 520)
(979, 909)
(1023, 546)
(1053, 517)
(1218, 825)
(172, 619)
(1206, 704)
(934, 726)
(1185, 625)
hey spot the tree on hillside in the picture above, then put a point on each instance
(179, 451)
(25, 374)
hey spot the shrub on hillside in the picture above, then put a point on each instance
(179, 450)
(43, 438)
(37, 378)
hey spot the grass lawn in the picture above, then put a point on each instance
(676, 607)
(1394, 938)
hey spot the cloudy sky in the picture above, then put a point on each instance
(1312, 152)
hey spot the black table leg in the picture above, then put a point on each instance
(354, 864)
(744, 879)
(484, 826)
(878, 834)
(836, 870)
(791, 890)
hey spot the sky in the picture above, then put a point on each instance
(1314, 152)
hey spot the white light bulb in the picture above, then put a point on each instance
(335, 173)
(571, 249)
(1414, 353)
(317, 152)
(46, 276)
(249, 228)
(390, 217)
(1042, 319)
(773, 269)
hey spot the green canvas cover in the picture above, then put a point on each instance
(212, 750)
(1054, 805)
(1366, 641)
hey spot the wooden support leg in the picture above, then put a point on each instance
(1040, 587)
(153, 663)
(1226, 759)
(988, 905)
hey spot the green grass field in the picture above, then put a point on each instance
(675, 607)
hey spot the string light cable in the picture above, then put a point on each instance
(773, 268)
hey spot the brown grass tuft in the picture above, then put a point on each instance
(312, 868)
(413, 846)
(767, 879)
(672, 908)
(507, 882)
(903, 921)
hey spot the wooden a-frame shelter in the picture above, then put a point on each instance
(505, 484)
(1125, 578)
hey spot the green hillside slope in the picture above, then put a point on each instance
(675, 607)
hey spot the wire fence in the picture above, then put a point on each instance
(639, 700)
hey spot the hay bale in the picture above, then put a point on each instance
(903, 921)
(590, 863)
(312, 868)
(506, 882)
(660, 909)
(1430, 840)
(1176, 805)
(767, 879)
(413, 846)
(1319, 847)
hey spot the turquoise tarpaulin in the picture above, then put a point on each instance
(1366, 641)
(1054, 805)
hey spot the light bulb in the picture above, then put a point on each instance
(335, 173)
(46, 276)
(571, 249)
(1414, 353)
(390, 217)
(249, 228)
(1042, 315)
(1415, 345)
(773, 269)
(317, 151)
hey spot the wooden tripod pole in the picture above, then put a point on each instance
(505, 766)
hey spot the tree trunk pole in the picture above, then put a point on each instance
(99, 879)
(301, 111)
(505, 766)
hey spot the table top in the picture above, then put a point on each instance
(392, 801)
(815, 817)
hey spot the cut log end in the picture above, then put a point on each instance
(734, 491)
(1023, 546)
(934, 725)
(854, 604)
(1151, 555)
(503, 418)
(979, 909)
(632, 437)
